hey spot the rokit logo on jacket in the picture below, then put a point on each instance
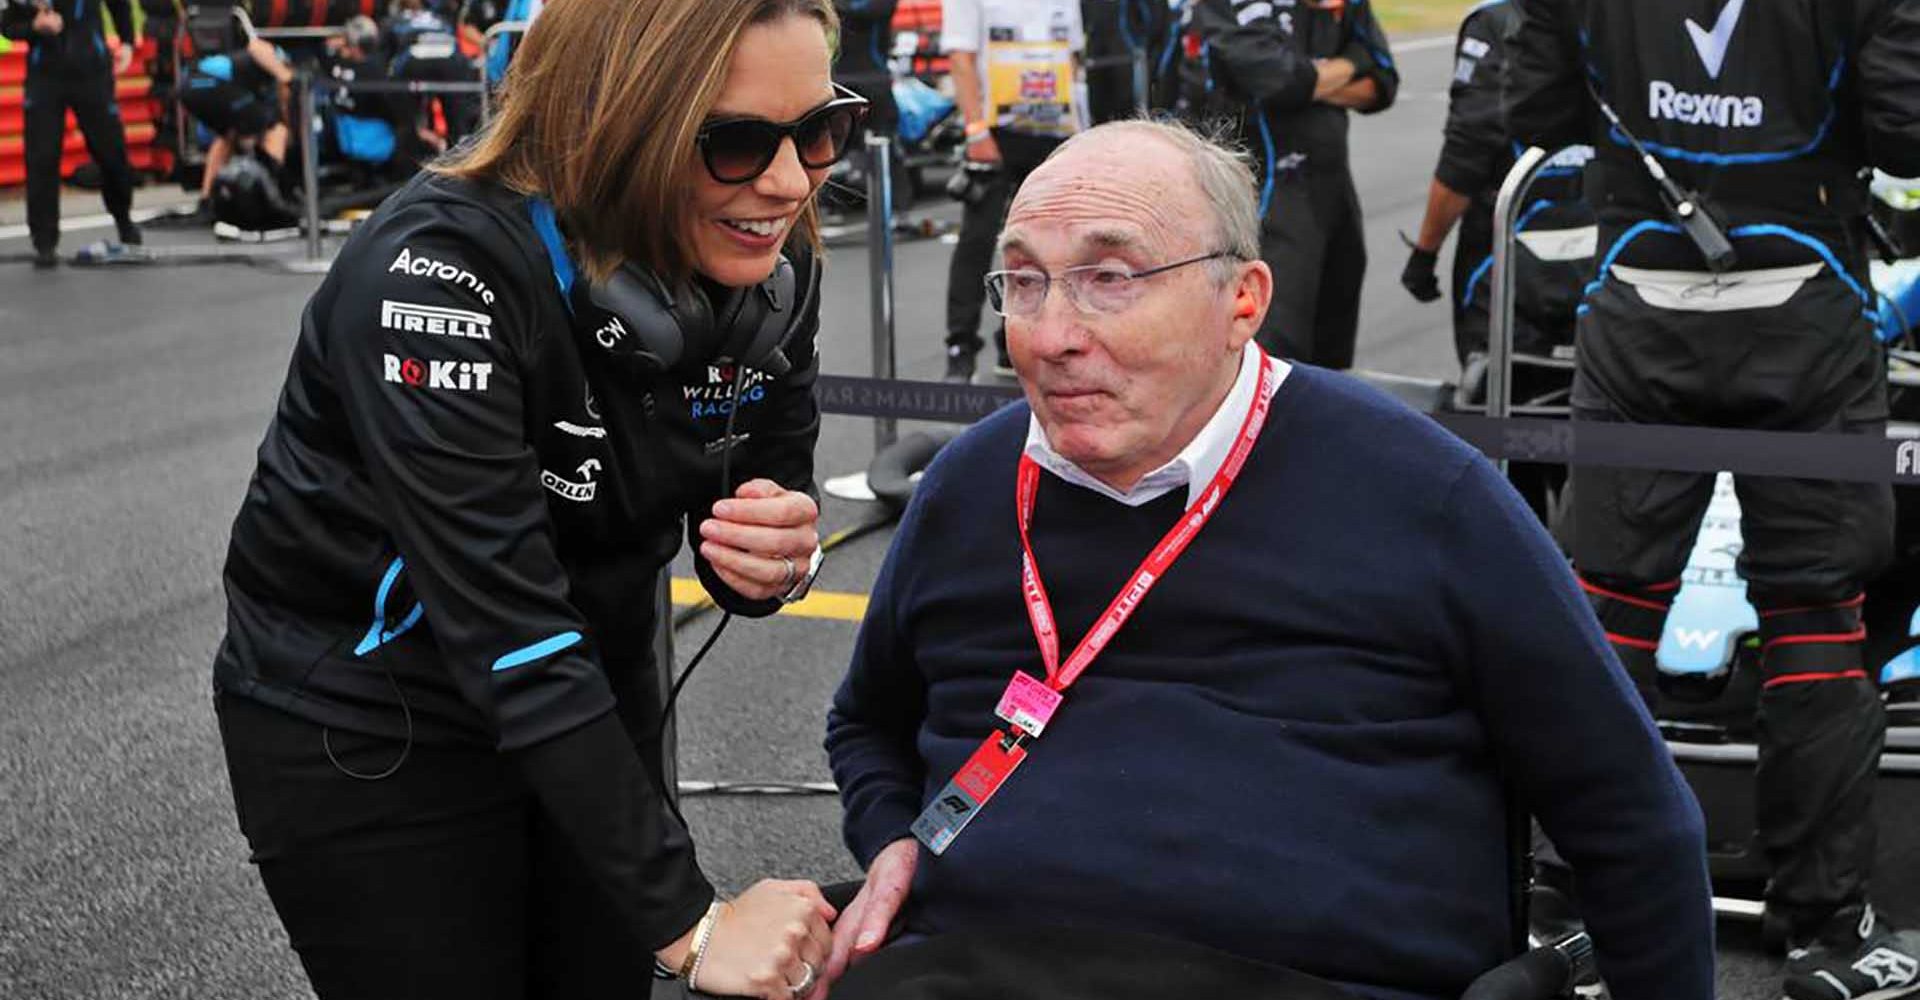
(412, 317)
(422, 266)
(1664, 100)
(459, 376)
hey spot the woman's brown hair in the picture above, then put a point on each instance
(599, 112)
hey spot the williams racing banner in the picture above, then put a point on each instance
(1841, 457)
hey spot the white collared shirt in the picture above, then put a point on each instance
(1194, 467)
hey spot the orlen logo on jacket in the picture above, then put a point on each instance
(459, 376)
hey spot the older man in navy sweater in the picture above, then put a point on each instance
(1205, 646)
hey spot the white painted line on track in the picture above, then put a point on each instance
(80, 222)
(1421, 44)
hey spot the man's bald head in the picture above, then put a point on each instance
(1164, 177)
(1130, 346)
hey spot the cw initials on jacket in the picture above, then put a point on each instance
(459, 376)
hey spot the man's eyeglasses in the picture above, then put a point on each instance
(737, 150)
(1093, 288)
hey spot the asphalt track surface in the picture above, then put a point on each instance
(131, 401)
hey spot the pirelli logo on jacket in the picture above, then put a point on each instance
(441, 321)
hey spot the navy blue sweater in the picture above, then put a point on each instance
(1295, 749)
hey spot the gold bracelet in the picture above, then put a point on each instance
(699, 937)
(697, 954)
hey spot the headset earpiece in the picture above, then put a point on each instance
(682, 331)
(647, 316)
(757, 321)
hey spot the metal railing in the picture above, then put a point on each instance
(496, 33)
(309, 85)
(1506, 207)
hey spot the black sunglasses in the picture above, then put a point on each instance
(737, 150)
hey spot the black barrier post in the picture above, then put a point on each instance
(880, 266)
(1140, 92)
(666, 668)
(309, 165)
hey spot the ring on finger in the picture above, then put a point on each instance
(806, 980)
(787, 580)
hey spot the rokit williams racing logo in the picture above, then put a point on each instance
(459, 376)
(715, 398)
(1665, 101)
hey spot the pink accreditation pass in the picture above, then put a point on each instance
(1028, 704)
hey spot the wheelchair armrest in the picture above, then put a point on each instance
(1543, 973)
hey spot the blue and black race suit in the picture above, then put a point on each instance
(1772, 110)
(460, 511)
(1554, 259)
(1254, 65)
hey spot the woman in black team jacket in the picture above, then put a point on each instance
(436, 691)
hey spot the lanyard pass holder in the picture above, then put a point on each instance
(1028, 705)
(969, 789)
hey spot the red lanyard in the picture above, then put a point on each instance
(1028, 704)
(1150, 571)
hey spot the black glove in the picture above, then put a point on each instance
(1418, 277)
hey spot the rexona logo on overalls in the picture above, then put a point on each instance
(1666, 101)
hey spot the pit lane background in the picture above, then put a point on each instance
(131, 401)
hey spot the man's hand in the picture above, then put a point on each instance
(1418, 277)
(863, 926)
(48, 21)
(984, 149)
(759, 541)
(1334, 74)
(1362, 93)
